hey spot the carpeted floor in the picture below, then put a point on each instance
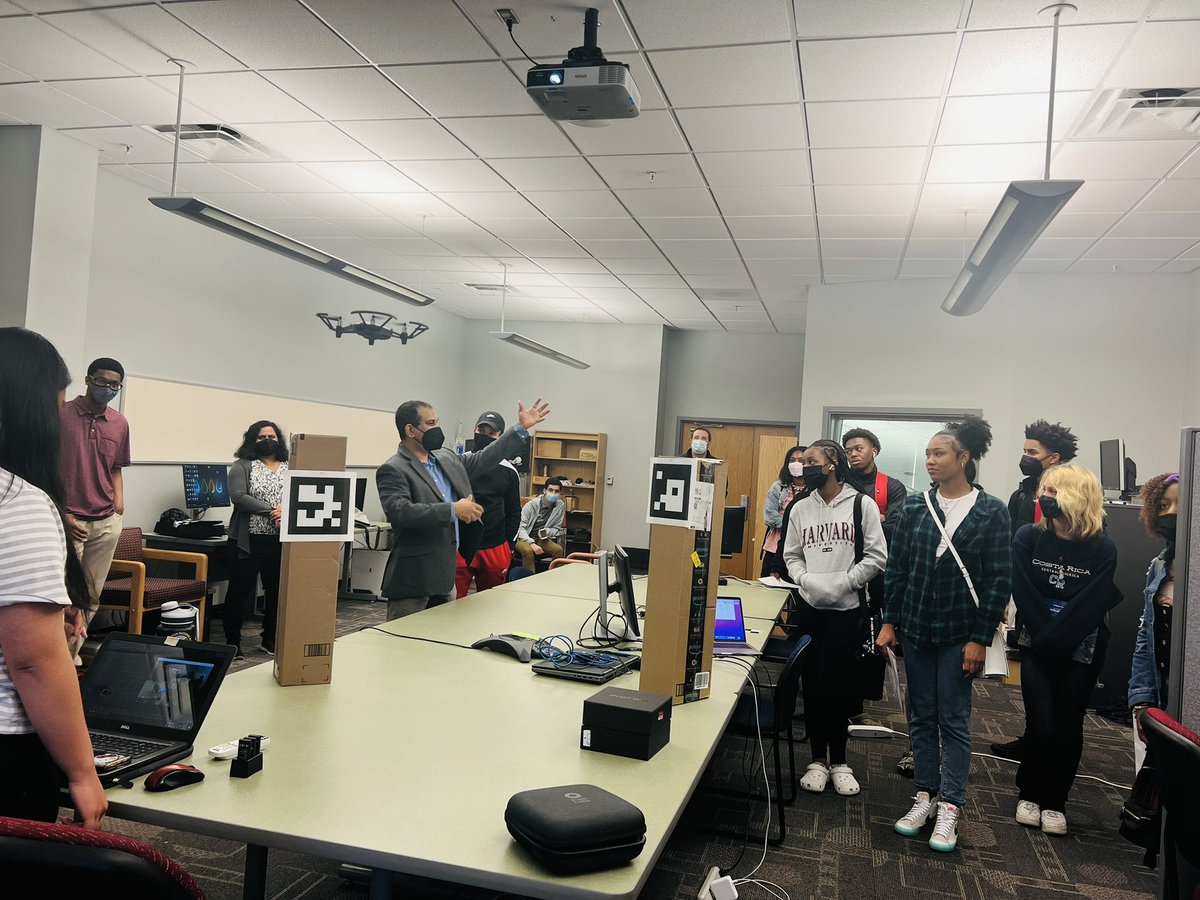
(835, 848)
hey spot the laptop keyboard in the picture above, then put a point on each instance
(107, 743)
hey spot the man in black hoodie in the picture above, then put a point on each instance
(498, 491)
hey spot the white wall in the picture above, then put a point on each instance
(715, 375)
(172, 299)
(618, 396)
(1108, 354)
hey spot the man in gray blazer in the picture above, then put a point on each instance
(426, 496)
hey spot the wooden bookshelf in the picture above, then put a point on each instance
(564, 455)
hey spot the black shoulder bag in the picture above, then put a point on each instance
(870, 667)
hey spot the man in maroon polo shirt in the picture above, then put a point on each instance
(95, 447)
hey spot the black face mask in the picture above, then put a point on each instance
(814, 477)
(1030, 467)
(1165, 527)
(433, 439)
(482, 440)
(1050, 507)
(266, 447)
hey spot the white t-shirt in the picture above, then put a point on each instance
(955, 511)
(33, 558)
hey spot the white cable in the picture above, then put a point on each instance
(769, 886)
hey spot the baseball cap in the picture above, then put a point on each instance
(491, 418)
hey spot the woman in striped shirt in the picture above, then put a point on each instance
(44, 743)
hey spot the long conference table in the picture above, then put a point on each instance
(406, 760)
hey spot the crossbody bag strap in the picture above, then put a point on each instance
(950, 546)
(859, 545)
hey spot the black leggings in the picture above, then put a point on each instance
(829, 691)
(31, 788)
(266, 554)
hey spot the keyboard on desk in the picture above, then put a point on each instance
(111, 743)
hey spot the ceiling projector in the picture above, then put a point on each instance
(585, 88)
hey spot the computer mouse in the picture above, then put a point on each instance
(176, 775)
(518, 648)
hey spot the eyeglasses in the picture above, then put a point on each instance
(100, 382)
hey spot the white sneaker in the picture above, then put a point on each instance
(945, 830)
(1053, 822)
(1029, 813)
(923, 809)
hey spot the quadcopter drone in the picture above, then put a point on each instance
(374, 326)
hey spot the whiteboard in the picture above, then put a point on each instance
(171, 422)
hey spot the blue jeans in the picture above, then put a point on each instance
(939, 719)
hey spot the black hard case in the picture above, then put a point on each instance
(576, 827)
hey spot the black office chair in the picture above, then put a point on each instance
(1176, 753)
(62, 860)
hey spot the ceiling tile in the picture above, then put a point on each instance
(703, 23)
(876, 268)
(860, 249)
(549, 249)
(1080, 225)
(856, 200)
(1173, 195)
(497, 137)
(677, 250)
(279, 177)
(755, 168)
(40, 104)
(1058, 248)
(559, 204)
(871, 123)
(949, 199)
(492, 205)
(410, 207)
(703, 284)
(705, 266)
(1018, 60)
(547, 32)
(407, 139)
(256, 206)
(1140, 248)
(765, 73)
(1115, 265)
(1159, 224)
(653, 131)
(1190, 167)
(987, 162)
(390, 32)
(764, 201)
(559, 173)
(520, 264)
(641, 282)
(762, 227)
(878, 68)
(667, 171)
(897, 165)
(639, 249)
(777, 249)
(308, 141)
(835, 18)
(929, 268)
(770, 268)
(669, 202)
(35, 47)
(129, 173)
(1180, 265)
(130, 145)
(199, 178)
(1111, 160)
(239, 97)
(1107, 196)
(363, 177)
(682, 228)
(1161, 53)
(944, 249)
(951, 227)
(374, 227)
(307, 228)
(1007, 118)
(142, 38)
(674, 300)
(453, 175)
(132, 100)
(602, 229)
(609, 295)
(465, 89)
(508, 229)
(1174, 9)
(337, 206)
(1024, 13)
(345, 94)
(860, 227)
(295, 37)
(636, 266)
(744, 127)
(590, 280)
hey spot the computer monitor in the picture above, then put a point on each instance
(360, 492)
(733, 531)
(205, 486)
(624, 568)
(606, 627)
(1117, 471)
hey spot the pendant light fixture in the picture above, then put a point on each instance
(1023, 213)
(528, 343)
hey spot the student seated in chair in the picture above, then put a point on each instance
(542, 521)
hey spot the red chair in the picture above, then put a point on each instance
(1175, 750)
(63, 860)
(576, 557)
(128, 588)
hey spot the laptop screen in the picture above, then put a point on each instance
(141, 685)
(729, 627)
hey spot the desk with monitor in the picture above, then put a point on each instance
(405, 762)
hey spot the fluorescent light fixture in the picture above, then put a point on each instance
(525, 343)
(1025, 210)
(214, 217)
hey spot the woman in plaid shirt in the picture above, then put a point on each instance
(944, 631)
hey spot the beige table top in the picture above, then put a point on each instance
(407, 759)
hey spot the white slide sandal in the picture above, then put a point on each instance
(816, 776)
(844, 781)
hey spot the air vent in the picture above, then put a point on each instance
(1142, 113)
(495, 290)
(212, 141)
(613, 74)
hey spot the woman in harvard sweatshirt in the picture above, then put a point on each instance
(820, 557)
(1063, 587)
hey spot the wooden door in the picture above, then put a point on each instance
(739, 446)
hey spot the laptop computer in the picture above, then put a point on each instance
(729, 629)
(595, 673)
(145, 698)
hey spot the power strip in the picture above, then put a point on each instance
(713, 875)
(717, 886)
